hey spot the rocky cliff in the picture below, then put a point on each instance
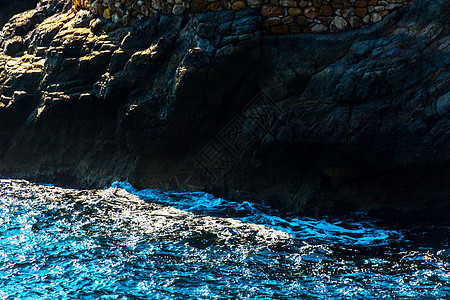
(309, 123)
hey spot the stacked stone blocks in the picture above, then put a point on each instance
(280, 16)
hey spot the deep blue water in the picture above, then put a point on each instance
(120, 243)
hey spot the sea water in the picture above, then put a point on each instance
(121, 243)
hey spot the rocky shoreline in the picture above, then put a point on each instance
(309, 123)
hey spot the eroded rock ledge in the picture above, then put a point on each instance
(312, 124)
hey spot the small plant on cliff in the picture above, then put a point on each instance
(79, 4)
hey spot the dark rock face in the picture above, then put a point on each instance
(10, 8)
(356, 121)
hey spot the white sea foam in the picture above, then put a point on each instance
(363, 233)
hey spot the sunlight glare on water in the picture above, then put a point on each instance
(121, 243)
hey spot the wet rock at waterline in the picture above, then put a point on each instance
(309, 123)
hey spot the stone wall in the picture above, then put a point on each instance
(280, 16)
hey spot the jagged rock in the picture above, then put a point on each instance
(83, 19)
(338, 24)
(375, 18)
(311, 124)
(13, 46)
(97, 25)
(319, 28)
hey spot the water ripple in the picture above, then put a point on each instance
(121, 243)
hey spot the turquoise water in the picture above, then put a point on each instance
(120, 243)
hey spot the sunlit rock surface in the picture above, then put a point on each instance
(312, 124)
